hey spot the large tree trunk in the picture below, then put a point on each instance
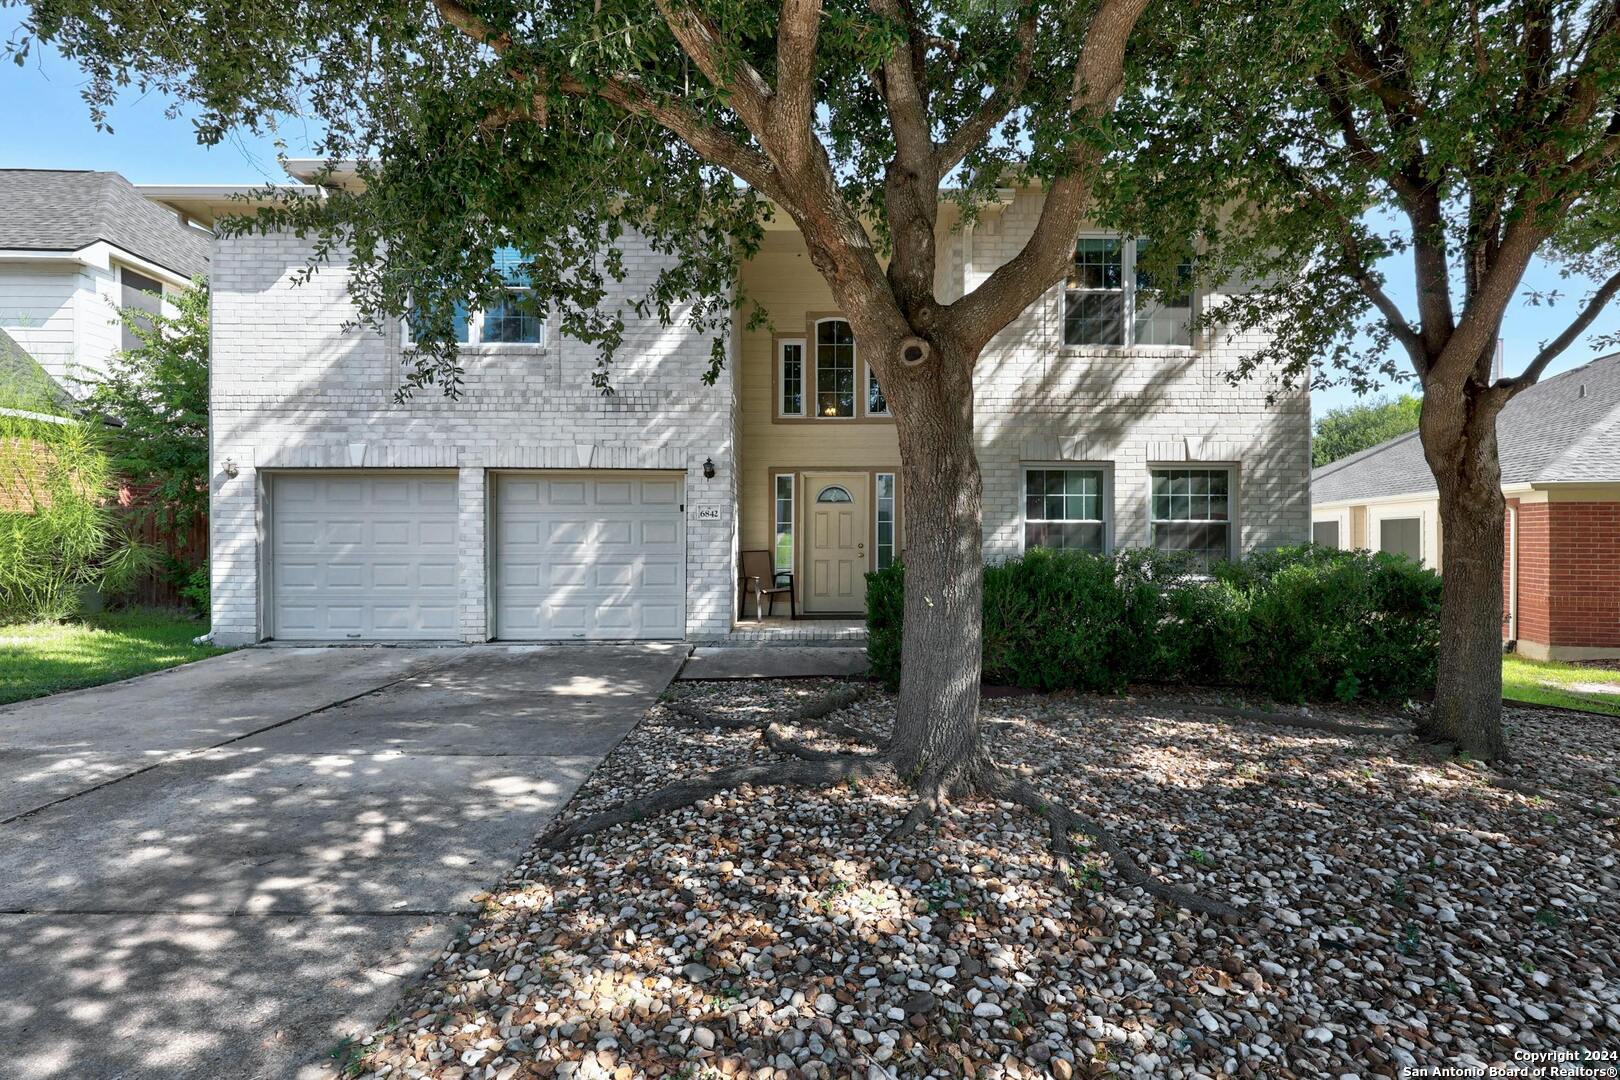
(936, 732)
(1460, 442)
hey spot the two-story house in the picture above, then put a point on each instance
(534, 508)
(75, 246)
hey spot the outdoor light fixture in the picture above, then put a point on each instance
(230, 468)
(708, 468)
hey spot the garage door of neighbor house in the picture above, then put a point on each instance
(589, 555)
(363, 556)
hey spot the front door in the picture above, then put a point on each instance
(835, 552)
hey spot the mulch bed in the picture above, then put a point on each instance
(1404, 911)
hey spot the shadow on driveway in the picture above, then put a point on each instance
(223, 875)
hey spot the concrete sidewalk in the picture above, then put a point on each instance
(224, 869)
(767, 662)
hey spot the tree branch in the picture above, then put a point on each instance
(902, 94)
(976, 128)
(797, 33)
(712, 143)
(1099, 78)
(1549, 352)
(700, 40)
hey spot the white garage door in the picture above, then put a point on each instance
(361, 556)
(589, 555)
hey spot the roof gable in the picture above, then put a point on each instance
(66, 210)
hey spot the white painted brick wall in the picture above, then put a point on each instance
(1038, 402)
(293, 389)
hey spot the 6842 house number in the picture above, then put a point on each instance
(708, 513)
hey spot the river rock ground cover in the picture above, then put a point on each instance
(1405, 910)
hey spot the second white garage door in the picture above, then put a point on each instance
(589, 555)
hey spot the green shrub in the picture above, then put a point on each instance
(1298, 623)
(62, 539)
(194, 588)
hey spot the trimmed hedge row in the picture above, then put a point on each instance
(1297, 623)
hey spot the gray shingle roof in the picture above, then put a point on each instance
(1564, 429)
(65, 210)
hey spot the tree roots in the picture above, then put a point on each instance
(810, 767)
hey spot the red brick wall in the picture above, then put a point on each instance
(1584, 564)
(1535, 610)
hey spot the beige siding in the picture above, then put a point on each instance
(782, 279)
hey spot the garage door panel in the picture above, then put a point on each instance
(589, 557)
(364, 556)
(613, 493)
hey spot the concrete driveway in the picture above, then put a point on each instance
(223, 869)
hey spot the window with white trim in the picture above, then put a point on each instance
(1402, 536)
(509, 321)
(783, 546)
(1192, 511)
(1107, 300)
(790, 377)
(885, 520)
(835, 369)
(1065, 509)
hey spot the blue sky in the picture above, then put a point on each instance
(48, 126)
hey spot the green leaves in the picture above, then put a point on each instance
(156, 397)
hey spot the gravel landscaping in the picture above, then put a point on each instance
(1403, 912)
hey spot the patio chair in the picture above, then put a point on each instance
(761, 578)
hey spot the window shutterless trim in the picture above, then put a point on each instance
(1230, 521)
(862, 378)
(1105, 497)
(780, 382)
(1128, 294)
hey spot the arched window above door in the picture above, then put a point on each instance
(834, 493)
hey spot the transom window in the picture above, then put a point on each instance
(1109, 301)
(1192, 511)
(1064, 508)
(835, 368)
(509, 321)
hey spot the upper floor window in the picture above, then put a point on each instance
(835, 368)
(509, 321)
(790, 377)
(1109, 301)
(876, 403)
(137, 293)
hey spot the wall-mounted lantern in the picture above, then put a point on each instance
(230, 468)
(708, 468)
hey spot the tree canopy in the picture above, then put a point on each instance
(156, 399)
(1464, 137)
(555, 127)
(1353, 428)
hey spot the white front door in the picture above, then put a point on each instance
(598, 554)
(363, 556)
(835, 556)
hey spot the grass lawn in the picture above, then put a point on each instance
(1590, 689)
(42, 658)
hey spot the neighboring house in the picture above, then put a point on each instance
(75, 246)
(1559, 444)
(535, 508)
